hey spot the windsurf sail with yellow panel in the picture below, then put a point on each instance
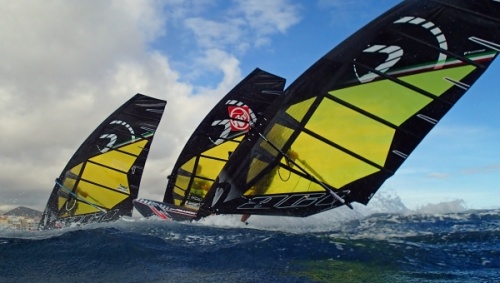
(211, 144)
(349, 122)
(102, 178)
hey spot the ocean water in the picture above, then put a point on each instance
(438, 243)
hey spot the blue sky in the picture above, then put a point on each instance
(68, 64)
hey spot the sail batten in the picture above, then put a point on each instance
(475, 13)
(104, 187)
(402, 83)
(361, 111)
(343, 149)
(461, 58)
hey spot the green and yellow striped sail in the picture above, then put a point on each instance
(197, 175)
(350, 121)
(103, 177)
(357, 145)
(101, 183)
(218, 135)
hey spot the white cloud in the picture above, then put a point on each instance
(248, 23)
(146, 16)
(65, 67)
(58, 44)
(224, 62)
(210, 34)
(268, 17)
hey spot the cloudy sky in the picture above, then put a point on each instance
(66, 65)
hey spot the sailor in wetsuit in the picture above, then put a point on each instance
(200, 187)
(263, 184)
(72, 198)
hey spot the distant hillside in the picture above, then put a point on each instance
(24, 211)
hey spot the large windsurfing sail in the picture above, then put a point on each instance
(221, 131)
(350, 121)
(102, 178)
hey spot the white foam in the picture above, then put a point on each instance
(454, 206)
(336, 219)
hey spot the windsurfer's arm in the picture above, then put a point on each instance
(293, 155)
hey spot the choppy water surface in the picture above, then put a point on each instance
(339, 245)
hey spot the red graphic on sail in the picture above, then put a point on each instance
(239, 118)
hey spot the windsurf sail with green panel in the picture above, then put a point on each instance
(349, 121)
(218, 135)
(102, 178)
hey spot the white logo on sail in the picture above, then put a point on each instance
(395, 52)
(394, 55)
(217, 196)
(113, 138)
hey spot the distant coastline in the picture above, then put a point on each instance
(20, 218)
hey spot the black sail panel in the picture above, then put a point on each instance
(102, 178)
(350, 121)
(221, 131)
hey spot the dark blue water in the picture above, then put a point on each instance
(453, 247)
